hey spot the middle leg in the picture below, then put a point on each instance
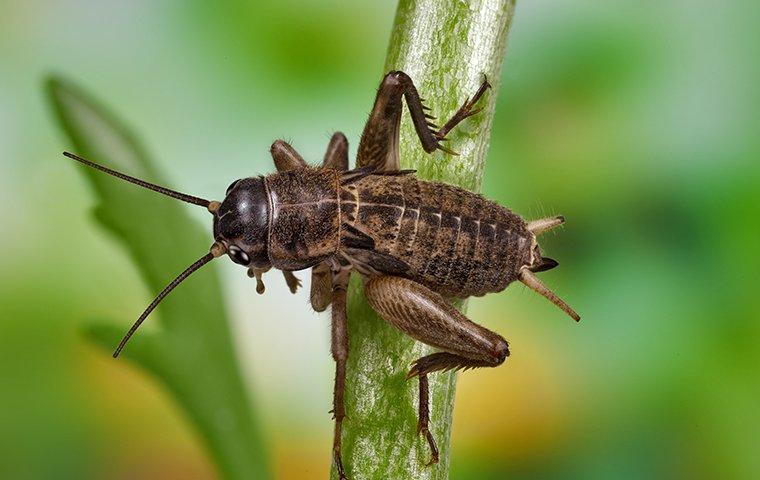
(341, 275)
(336, 157)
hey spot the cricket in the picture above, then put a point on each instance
(416, 244)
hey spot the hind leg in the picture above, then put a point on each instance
(426, 316)
(379, 145)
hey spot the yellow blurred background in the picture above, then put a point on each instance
(636, 120)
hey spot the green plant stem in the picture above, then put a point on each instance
(446, 46)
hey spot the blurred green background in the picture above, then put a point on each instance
(636, 120)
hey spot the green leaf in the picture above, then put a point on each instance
(447, 47)
(191, 354)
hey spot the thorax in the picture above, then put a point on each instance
(304, 223)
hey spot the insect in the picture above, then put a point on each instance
(415, 243)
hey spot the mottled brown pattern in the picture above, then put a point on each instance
(305, 217)
(455, 242)
(426, 316)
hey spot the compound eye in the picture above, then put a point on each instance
(232, 185)
(238, 256)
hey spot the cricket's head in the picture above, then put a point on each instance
(239, 228)
(241, 223)
(538, 263)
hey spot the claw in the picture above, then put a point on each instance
(485, 81)
(474, 112)
(447, 150)
(332, 412)
(293, 282)
(431, 443)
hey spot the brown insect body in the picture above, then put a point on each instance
(453, 241)
(415, 243)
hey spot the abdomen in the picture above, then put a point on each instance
(453, 241)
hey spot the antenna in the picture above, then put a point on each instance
(180, 278)
(150, 186)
